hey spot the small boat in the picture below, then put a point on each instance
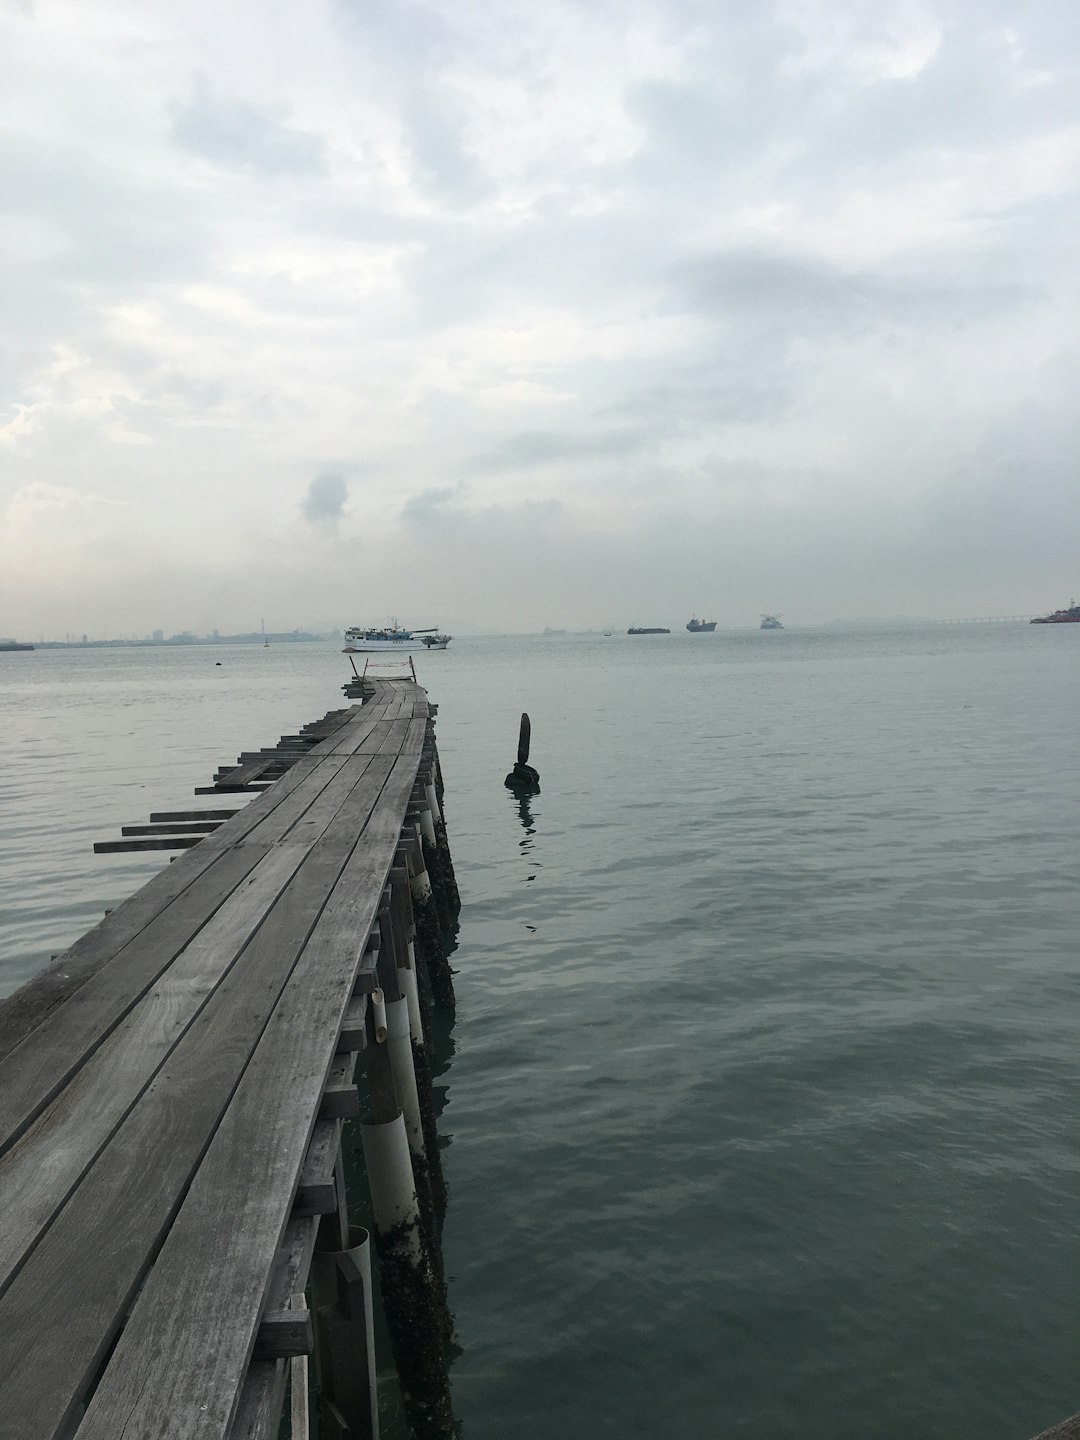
(373, 640)
(436, 642)
(1069, 616)
(771, 622)
(648, 630)
(700, 627)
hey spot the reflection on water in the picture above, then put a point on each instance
(524, 800)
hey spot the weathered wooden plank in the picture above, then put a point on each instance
(299, 1404)
(258, 1415)
(233, 789)
(28, 1007)
(317, 1191)
(176, 827)
(64, 1307)
(179, 1365)
(352, 1035)
(155, 842)
(167, 817)
(39, 1172)
(243, 774)
(340, 1100)
(282, 1333)
(1067, 1430)
(32, 1074)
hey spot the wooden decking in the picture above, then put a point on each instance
(171, 1092)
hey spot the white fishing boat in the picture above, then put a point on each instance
(436, 641)
(382, 639)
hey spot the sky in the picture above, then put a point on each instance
(501, 315)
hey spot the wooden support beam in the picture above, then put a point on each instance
(174, 827)
(117, 847)
(283, 1333)
(317, 1191)
(166, 817)
(340, 1100)
(231, 789)
(352, 1026)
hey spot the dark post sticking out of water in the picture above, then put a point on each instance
(523, 777)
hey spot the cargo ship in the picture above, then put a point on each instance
(700, 627)
(1071, 616)
(771, 622)
(6, 645)
(648, 630)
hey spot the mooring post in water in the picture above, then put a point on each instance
(523, 776)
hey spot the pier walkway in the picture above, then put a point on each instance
(172, 1092)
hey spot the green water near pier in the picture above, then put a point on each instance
(764, 1105)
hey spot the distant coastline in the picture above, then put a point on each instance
(254, 637)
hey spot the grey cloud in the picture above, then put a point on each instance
(695, 398)
(439, 153)
(235, 135)
(803, 294)
(551, 447)
(429, 507)
(324, 502)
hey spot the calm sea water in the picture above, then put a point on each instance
(764, 1111)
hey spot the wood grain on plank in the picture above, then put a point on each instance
(30, 1005)
(179, 1365)
(62, 1311)
(35, 1072)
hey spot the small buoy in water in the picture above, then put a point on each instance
(523, 777)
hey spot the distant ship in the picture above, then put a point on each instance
(1071, 616)
(771, 622)
(700, 627)
(436, 642)
(648, 630)
(7, 645)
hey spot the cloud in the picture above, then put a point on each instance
(324, 503)
(551, 447)
(440, 156)
(803, 293)
(773, 286)
(235, 135)
(430, 508)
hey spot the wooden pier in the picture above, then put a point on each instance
(175, 1241)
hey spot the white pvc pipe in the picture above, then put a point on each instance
(407, 986)
(433, 800)
(360, 1250)
(399, 1046)
(420, 885)
(427, 825)
(378, 1015)
(390, 1178)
